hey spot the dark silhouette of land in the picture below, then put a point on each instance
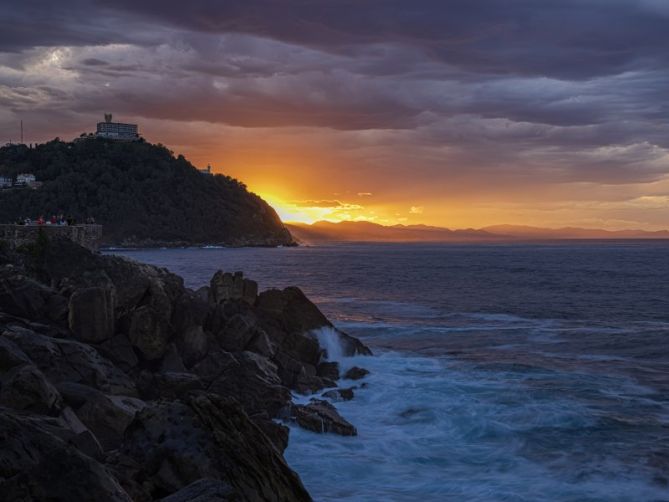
(141, 193)
(363, 231)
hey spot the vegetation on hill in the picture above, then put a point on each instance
(140, 192)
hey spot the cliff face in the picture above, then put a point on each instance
(141, 193)
(118, 383)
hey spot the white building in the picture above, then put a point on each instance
(25, 179)
(5, 182)
(116, 130)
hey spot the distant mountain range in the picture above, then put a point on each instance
(364, 231)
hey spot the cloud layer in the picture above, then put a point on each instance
(428, 103)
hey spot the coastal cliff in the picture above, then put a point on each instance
(118, 383)
(141, 193)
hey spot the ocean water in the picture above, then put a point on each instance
(502, 372)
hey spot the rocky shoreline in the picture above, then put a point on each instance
(118, 383)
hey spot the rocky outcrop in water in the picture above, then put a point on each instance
(118, 383)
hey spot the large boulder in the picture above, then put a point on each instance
(37, 465)
(149, 333)
(11, 355)
(225, 286)
(207, 437)
(91, 314)
(25, 297)
(321, 416)
(109, 416)
(26, 388)
(292, 309)
(69, 361)
(339, 394)
(249, 378)
(119, 351)
(356, 373)
(204, 490)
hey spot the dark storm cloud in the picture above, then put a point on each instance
(504, 86)
(561, 38)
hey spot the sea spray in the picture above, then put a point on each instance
(329, 339)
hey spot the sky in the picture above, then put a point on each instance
(458, 113)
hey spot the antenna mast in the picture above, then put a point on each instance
(22, 132)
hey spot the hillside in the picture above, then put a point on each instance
(364, 231)
(141, 193)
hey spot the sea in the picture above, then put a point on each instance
(520, 372)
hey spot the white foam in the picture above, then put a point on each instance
(329, 339)
(431, 432)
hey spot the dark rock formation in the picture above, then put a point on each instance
(321, 416)
(118, 383)
(203, 490)
(339, 394)
(91, 314)
(36, 464)
(356, 373)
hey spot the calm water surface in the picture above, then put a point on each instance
(511, 373)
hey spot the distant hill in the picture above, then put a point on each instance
(353, 231)
(141, 193)
(526, 232)
(364, 231)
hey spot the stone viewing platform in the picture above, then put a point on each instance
(87, 236)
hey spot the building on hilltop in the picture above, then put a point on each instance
(25, 179)
(116, 130)
(206, 170)
(6, 182)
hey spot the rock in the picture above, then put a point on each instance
(249, 291)
(261, 344)
(237, 286)
(214, 365)
(192, 345)
(24, 297)
(26, 388)
(308, 383)
(328, 369)
(203, 293)
(320, 416)
(220, 288)
(207, 437)
(76, 394)
(352, 346)
(277, 433)
(118, 350)
(82, 437)
(203, 490)
(57, 309)
(252, 380)
(339, 394)
(356, 373)
(37, 465)
(168, 384)
(172, 361)
(106, 416)
(11, 355)
(69, 361)
(293, 309)
(237, 333)
(91, 314)
(149, 333)
(109, 416)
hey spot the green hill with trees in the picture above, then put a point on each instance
(141, 193)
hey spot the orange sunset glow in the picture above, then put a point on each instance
(383, 125)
